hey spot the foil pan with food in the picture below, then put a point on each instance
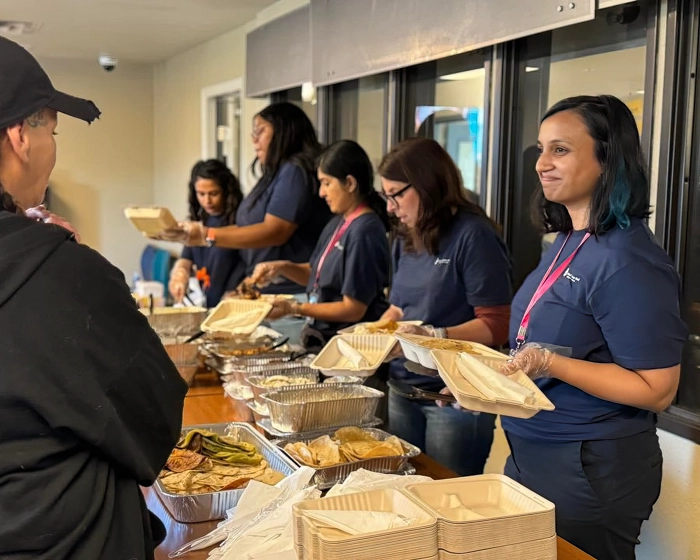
(277, 361)
(211, 465)
(336, 455)
(320, 407)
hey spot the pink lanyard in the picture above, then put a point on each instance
(339, 231)
(547, 280)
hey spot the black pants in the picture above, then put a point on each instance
(603, 490)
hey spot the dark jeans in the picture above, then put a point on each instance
(457, 439)
(603, 490)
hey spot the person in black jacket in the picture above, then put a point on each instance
(90, 403)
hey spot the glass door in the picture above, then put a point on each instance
(445, 100)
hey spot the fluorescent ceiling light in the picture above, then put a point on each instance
(466, 75)
(531, 69)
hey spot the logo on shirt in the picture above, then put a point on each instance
(441, 262)
(339, 246)
(567, 274)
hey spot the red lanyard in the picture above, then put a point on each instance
(547, 280)
(339, 231)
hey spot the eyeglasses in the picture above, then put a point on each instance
(257, 132)
(396, 196)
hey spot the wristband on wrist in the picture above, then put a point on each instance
(210, 239)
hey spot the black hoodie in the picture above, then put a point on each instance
(90, 403)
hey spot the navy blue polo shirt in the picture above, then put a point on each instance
(289, 198)
(224, 266)
(472, 269)
(618, 302)
(358, 266)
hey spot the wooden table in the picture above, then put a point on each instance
(206, 404)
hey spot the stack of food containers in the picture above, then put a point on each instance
(486, 517)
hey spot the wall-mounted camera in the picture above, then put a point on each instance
(108, 63)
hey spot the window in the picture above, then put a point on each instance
(307, 101)
(359, 112)
(445, 100)
(605, 55)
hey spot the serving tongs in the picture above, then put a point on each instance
(415, 393)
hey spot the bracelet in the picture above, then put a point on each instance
(440, 332)
(296, 309)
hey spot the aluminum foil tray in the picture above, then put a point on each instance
(194, 508)
(334, 405)
(240, 373)
(326, 477)
(302, 372)
(266, 426)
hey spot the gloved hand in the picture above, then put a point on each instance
(425, 330)
(532, 359)
(455, 405)
(192, 234)
(282, 308)
(396, 352)
(40, 213)
(265, 272)
(177, 285)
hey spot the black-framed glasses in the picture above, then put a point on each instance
(395, 197)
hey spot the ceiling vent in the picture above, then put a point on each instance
(18, 27)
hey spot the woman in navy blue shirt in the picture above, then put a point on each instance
(350, 267)
(282, 216)
(451, 271)
(598, 325)
(214, 197)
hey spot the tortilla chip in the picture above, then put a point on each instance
(300, 452)
(326, 450)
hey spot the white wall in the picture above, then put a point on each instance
(105, 166)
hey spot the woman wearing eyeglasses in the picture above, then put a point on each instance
(451, 271)
(283, 215)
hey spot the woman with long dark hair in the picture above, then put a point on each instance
(282, 216)
(214, 197)
(349, 269)
(451, 271)
(598, 325)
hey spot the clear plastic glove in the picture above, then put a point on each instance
(396, 352)
(40, 213)
(192, 234)
(425, 330)
(533, 359)
(177, 285)
(282, 308)
(265, 272)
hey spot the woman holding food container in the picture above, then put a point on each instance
(282, 217)
(452, 272)
(598, 325)
(348, 272)
(214, 197)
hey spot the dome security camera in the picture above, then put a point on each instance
(108, 63)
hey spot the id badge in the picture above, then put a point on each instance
(313, 298)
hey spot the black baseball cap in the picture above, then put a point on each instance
(25, 89)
